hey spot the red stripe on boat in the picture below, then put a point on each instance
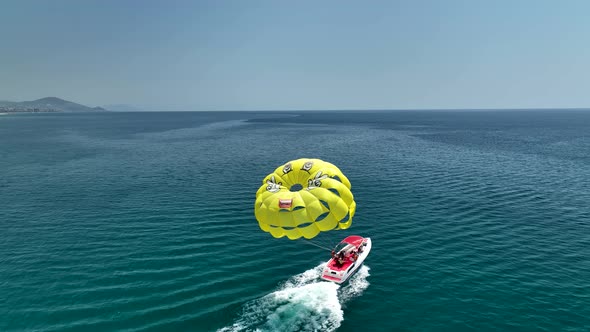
(331, 278)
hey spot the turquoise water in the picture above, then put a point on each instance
(480, 221)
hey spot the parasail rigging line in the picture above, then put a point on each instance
(317, 245)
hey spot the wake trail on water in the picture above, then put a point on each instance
(302, 303)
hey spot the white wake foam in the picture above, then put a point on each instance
(302, 303)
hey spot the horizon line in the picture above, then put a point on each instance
(370, 109)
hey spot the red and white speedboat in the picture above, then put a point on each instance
(347, 258)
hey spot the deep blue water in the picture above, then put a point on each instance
(480, 221)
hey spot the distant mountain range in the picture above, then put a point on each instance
(48, 104)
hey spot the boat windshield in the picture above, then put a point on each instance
(340, 246)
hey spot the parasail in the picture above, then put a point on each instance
(303, 198)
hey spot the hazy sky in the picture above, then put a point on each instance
(219, 55)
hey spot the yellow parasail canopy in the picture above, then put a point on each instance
(303, 198)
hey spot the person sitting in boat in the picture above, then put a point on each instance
(354, 256)
(340, 259)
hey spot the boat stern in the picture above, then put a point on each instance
(333, 275)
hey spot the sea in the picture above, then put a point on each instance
(480, 221)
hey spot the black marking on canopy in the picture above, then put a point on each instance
(297, 208)
(290, 228)
(334, 191)
(322, 216)
(345, 219)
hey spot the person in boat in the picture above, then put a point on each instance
(354, 256)
(340, 259)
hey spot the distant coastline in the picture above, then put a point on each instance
(6, 110)
(45, 105)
